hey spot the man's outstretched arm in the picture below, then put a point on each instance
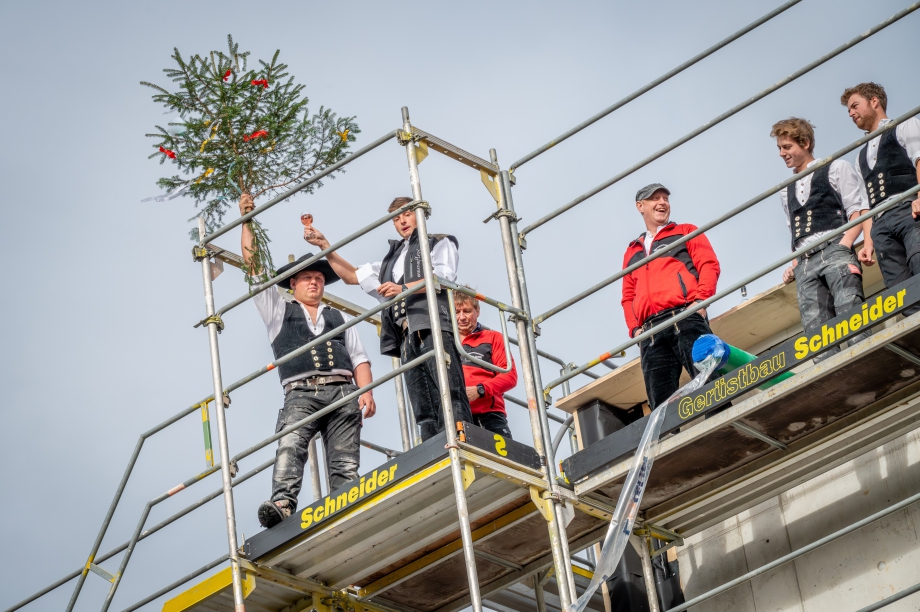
(345, 270)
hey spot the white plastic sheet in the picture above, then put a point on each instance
(171, 195)
(624, 516)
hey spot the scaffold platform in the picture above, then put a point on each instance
(391, 541)
(767, 441)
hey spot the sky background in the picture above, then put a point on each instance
(98, 343)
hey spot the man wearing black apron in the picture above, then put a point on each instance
(311, 381)
(888, 165)
(406, 329)
(828, 277)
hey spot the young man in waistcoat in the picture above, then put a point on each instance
(828, 277)
(888, 165)
(662, 289)
(484, 388)
(406, 329)
(311, 381)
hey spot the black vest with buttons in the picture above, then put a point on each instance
(823, 211)
(893, 172)
(321, 359)
(410, 314)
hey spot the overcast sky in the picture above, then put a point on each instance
(98, 343)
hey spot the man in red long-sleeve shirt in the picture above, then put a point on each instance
(484, 388)
(663, 288)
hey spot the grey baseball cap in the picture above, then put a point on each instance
(647, 191)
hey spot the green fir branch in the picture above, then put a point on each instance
(219, 120)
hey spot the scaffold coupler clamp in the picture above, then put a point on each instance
(200, 252)
(514, 317)
(215, 318)
(234, 469)
(423, 204)
(502, 212)
(404, 138)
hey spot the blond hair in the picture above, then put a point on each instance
(801, 131)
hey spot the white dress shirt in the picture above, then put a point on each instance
(844, 180)
(271, 306)
(908, 136)
(650, 238)
(445, 259)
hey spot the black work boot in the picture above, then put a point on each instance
(271, 513)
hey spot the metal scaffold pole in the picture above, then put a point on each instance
(401, 407)
(450, 429)
(648, 572)
(223, 445)
(533, 384)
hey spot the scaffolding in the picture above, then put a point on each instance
(465, 502)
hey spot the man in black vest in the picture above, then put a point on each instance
(406, 329)
(312, 380)
(888, 165)
(828, 277)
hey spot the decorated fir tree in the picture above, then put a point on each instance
(238, 130)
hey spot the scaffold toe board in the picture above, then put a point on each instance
(392, 537)
(849, 403)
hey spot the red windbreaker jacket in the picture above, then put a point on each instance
(489, 346)
(681, 276)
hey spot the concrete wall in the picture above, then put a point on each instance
(843, 576)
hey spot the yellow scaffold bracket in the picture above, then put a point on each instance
(468, 474)
(658, 532)
(333, 603)
(491, 182)
(212, 319)
(545, 506)
(421, 151)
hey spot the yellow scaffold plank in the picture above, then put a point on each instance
(208, 589)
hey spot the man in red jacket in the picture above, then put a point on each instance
(663, 288)
(484, 388)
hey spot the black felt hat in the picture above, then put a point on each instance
(320, 266)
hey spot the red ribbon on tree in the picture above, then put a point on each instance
(254, 135)
(168, 153)
(227, 75)
(262, 82)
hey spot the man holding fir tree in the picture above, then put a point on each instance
(828, 277)
(311, 381)
(406, 329)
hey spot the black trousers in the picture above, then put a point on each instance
(496, 422)
(341, 431)
(897, 246)
(422, 383)
(666, 353)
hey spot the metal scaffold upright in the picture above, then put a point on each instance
(456, 467)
